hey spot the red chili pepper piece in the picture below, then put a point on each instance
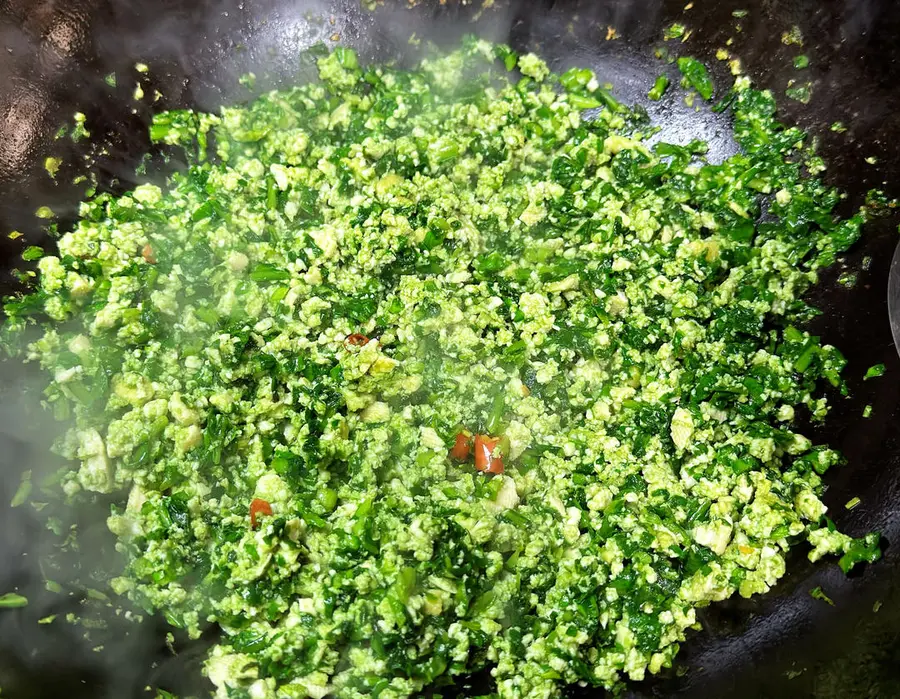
(357, 340)
(460, 450)
(484, 454)
(147, 254)
(259, 507)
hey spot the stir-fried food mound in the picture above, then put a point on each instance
(412, 373)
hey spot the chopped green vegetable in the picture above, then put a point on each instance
(23, 491)
(800, 93)
(11, 600)
(32, 253)
(851, 503)
(864, 550)
(265, 272)
(674, 31)
(509, 57)
(51, 165)
(793, 36)
(801, 62)
(867, 411)
(818, 593)
(874, 372)
(696, 75)
(659, 88)
(79, 131)
(848, 279)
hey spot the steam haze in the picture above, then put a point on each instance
(58, 59)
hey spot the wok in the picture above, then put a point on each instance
(785, 643)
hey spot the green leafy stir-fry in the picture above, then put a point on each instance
(410, 374)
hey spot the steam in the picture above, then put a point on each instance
(62, 66)
(58, 66)
(43, 655)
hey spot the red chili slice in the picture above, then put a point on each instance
(484, 454)
(460, 450)
(259, 507)
(147, 254)
(357, 340)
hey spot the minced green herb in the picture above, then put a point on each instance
(20, 497)
(874, 371)
(696, 76)
(674, 31)
(427, 372)
(819, 593)
(32, 253)
(863, 550)
(79, 131)
(51, 165)
(659, 88)
(793, 36)
(800, 92)
(848, 279)
(801, 62)
(11, 600)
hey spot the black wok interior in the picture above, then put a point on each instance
(784, 644)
